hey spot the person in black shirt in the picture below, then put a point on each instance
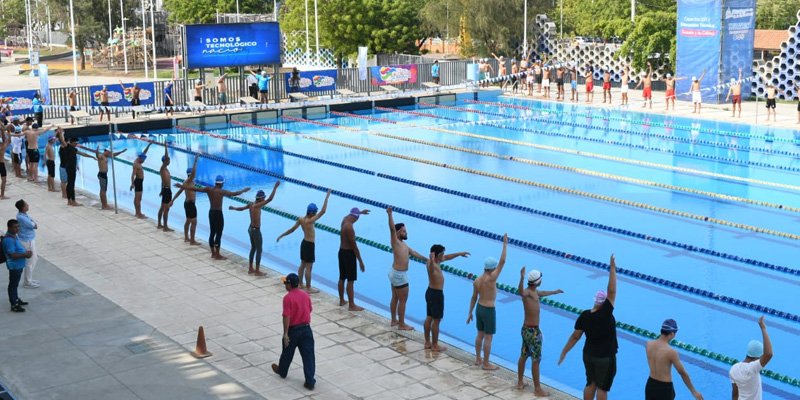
(600, 348)
(70, 162)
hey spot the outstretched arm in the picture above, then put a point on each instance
(676, 361)
(767, 356)
(449, 257)
(502, 261)
(573, 339)
(147, 148)
(702, 75)
(242, 208)
(392, 231)
(236, 193)
(521, 285)
(545, 293)
(86, 155)
(289, 231)
(119, 152)
(122, 85)
(272, 195)
(611, 290)
(324, 207)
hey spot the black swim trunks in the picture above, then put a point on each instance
(138, 184)
(16, 158)
(560, 82)
(307, 251)
(166, 195)
(657, 390)
(104, 104)
(33, 155)
(434, 299)
(771, 103)
(51, 168)
(3, 172)
(347, 265)
(190, 209)
(600, 371)
(102, 177)
(73, 108)
(136, 102)
(198, 98)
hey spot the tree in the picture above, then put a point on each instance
(777, 14)
(652, 39)
(205, 11)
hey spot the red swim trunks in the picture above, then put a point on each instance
(737, 99)
(647, 93)
(606, 85)
(589, 85)
(670, 93)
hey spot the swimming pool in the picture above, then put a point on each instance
(569, 184)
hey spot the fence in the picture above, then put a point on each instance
(451, 73)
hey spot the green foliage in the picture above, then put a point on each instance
(205, 11)
(653, 38)
(776, 14)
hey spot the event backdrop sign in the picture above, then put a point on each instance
(20, 101)
(117, 98)
(315, 81)
(230, 45)
(698, 46)
(738, 36)
(394, 74)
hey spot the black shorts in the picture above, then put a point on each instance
(104, 104)
(560, 82)
(167, 103)
(347, 265)
(657, 390)
(136, 102)
(102, 178)
(73, 108)
(51, 168)
(190, 209)
(138, 184)
(198, 98)
(538, 79)
(16, 158)
(263, 91)
(3, 172)
(33, 155)
(434, 299)
(600, 371)
(166, 195)
(307, 251)
(798, 106)
(771, 103)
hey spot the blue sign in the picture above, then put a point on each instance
(119, 98)
(698, 47)
(737, 41)
(21, 101)
(229, 45)
(314, 81)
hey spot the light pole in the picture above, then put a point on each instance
(525, 29)
(124, 42)
(153, 27)
(237, 10)
(308, 49)
(144, 40)
(74, 48)
(28, 21)
(633, 10)
(316, 29)
(561, 34)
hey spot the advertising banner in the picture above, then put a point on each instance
(230, 45)
(19, 100)
(394, 74)
(315, 81)
(362, 63)
(44, 84)
(738, 34)
(118, 98)
(698, 45)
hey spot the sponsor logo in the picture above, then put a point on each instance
(736, 13)
(394, 75)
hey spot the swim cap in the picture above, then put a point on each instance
(264, 73)
(694, 78)
(219, 179)
(355, 212)
(164, 158)
(143, 156)
(733, 81)
(51, 139)
(670, 326)
(35, 126)
(291, 279)
(489, 264)
(600, 297)
(104, 87)
(534, 278)
(669, 75)
(260, 194)
(311, 209)
(197, 81)
(188, 171)
(755, 349)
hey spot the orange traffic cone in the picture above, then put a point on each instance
(200, 350)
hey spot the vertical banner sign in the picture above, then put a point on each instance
(362, 63)
(44, 84)
(315, 81)
(738, 34)
(395, 74)
(119, 98)
(698, 46)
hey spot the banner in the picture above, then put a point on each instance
(20, 101)
(362, 63)
(117, 98)
(698, 45)
(738, 35)
(314, 81)
(44, 84)
(229, 45)
(394, 74)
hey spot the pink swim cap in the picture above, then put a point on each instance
(600, 297)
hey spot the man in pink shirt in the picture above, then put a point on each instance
(296, 331)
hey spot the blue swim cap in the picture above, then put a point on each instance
(260, 194)
(143, 156)
(490, 263)
(219, 179)
(311, 209)
(755, 349)
(164, 158)
(669, 326)
(188, 171)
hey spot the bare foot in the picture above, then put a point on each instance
(168, 229)
(478, 361)
(3, 197)
(259, 273)
(310, 289)
(141, 216)
(404, 327)
(427, 345)
(355, 308)
(49, 190)
(194, 243)
(489, 367)
(250, 272)
(521, 385)
(160, 226)
(439, 348)
(540, 393)
(107, 207)
(342, 302)
(221, 257)
(394, 323)
(185, 240)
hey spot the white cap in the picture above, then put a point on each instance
(669, 75)
(534, 278)
(694, 78)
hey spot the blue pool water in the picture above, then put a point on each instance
(352, 160)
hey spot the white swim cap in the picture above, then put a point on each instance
(534, 278)
(694, 78)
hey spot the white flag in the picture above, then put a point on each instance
(362, 63)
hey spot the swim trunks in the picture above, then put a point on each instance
(771, 103)
(222, 98)
(486, 319)
(697, 97)
(102, 177)
(574, 84)
(737, 99)
(647, 93)
(263, 91)
(531, 342)
(136, 102)
(137, 184)
(606, 85)
(624, 88)
(671, 93)
(198, 98)
(166, 195)
(546, 82)
(16, 158)
(600, 371)
(3, 172)
(398, 279)
(33, 155)
(62, 174)
(167, 103)
(104, 104)
(657, 390)
(589, 85)
(559, 82)
(51, 168)
(307, 251)
(347, 265)
(434, 301)
(190, 209)
(482, 75)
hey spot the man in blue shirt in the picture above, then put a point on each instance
(38, 109)
(168, 102)
(263, 86)
(27, 235)
(435, 72)
(15, 261)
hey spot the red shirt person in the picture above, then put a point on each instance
(297, 331)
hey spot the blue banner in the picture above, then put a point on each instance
(738, 34)
(229, 45)
(698, 45)
(44, 84)
(314, 81)
(118, 98)
(20, 101)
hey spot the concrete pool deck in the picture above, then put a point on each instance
(120, 304)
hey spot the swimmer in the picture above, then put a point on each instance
(697, 95)
(137, 181)
(50, 163)
(198, 90)
(32, 150)
(531, 334)
(647, 86)
(772, 96)
(434, 296)
(588, 75)
(607, 84)
(573, 73)
(484, 293)
(348, 254)
(623, 86)
(307, 246)
(736, 91)
(166, 191)
(546, 72)
(514, 77)
(670, 94)
(189, 207)
(398, 274)
(254, 230)
(104, 103)
(661, 357)
(216, 220)
(560, 83)
(6, 135)
(102, 173)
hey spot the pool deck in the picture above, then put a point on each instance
(120, 304)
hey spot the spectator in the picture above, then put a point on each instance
(15, 261)
(435, 72)
(252, 85)
(27, 236)
(296, 331)
(746, 375)
(38, 109)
